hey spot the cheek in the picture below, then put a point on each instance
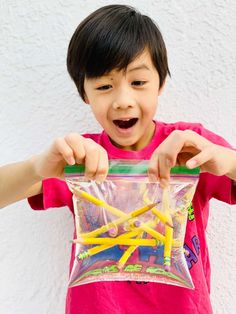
(99, 113)
(150, 105)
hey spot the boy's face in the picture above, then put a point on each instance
(125, 102)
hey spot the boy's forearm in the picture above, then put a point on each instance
(16, 182)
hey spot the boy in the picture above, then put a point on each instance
(117, 59)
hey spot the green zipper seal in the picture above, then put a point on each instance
(128, 168)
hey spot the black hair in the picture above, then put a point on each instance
(110, 38)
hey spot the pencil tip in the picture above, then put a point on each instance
(169, 225)
(152, 205)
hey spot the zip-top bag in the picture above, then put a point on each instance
(128, 228)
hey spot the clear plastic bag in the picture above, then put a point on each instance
(128, 228)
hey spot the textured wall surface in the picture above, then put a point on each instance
(38, 102)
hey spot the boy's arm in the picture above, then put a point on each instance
(18, 181)
(24, 179)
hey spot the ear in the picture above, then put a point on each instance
(162, 88)
(86, 100)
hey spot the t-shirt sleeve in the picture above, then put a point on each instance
(218, 187)
(55, 193)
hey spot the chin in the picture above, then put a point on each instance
(122, 144)
(129, 146)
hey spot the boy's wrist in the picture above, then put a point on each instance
(32, 166)
(232, 172)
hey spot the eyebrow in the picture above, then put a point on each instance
(142, 66)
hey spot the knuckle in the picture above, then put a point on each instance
(180, 134)
(101, 170)
(170, 161)
(90, 172)
(58, 141)
(67, 154)
(89, 142)
(152, 169)
(210, 149)
(162, 153)
(165, 155)
(103, 151)
(177, 133)
(80, 157)
(104, 157)
(71, 137)
(189, 132)
(92, 149)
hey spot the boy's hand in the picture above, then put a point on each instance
(72, 149)
(187, 148)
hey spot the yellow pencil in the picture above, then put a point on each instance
(168, 246)
(99, 248)
(131, 224)
(164, 218)
(116, 241)
(99, 202)
(112, 209)
(157, 235)
(168, 230)
(118, 221)
(127, 253)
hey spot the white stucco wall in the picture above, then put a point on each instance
(38, 102)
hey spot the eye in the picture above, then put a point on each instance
(138, 83)
(104, 87)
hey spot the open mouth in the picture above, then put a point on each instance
(126, 123)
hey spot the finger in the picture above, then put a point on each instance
(102, 167)
(164, 170)
(91, 158)
(166, 155)
(61, 149)
(75, 141)
(153, 169)
(170, 150)
(199, 159)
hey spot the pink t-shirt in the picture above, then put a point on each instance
(141, 297)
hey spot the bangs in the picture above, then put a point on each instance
(114, 47)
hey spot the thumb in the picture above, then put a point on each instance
(199, 159)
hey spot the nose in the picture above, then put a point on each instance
(124, 99)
